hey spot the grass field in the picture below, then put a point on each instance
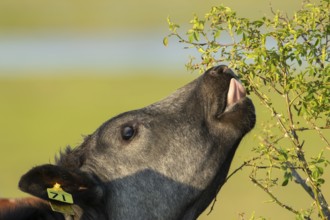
(41, 115)
(124, 14)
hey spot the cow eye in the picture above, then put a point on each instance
(127, 133)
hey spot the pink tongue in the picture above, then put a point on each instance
(236, 92)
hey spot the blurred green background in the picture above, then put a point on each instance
(66, 66)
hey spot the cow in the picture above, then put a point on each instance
(164, 161)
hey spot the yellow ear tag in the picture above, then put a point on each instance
(64, 200)
(58, 194)
(63, 208)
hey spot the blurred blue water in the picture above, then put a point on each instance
(63, 51)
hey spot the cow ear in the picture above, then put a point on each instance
(84, 188)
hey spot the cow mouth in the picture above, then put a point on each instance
(236, 92)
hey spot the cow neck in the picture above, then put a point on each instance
(206, 197)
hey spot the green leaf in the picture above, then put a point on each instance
(165, 41)
(285, 182)
(258, 23)
(196, 35)
(320, 181)
(201, 50)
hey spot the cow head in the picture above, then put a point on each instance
(164, 161)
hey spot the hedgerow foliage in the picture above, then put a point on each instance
(284, 62)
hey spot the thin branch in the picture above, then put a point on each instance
(290, 166)
(230, 175)
(271, 83)
(246, 163)
(275, 198)
(318, 130)
(294, 99)
(300, 180)
(290, 116)
(315, 128)
(182, 40)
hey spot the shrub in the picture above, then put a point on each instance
(284, 62)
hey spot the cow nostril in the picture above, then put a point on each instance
(219, 70)
(223, 69)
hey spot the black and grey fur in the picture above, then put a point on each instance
(165, 161)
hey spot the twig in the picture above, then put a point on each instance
(182, 40)
(290, 166)
(275, 198)
(246, 163)
(315, 128)
(314, 192)
(230, 175)
(300, 180)
(318, 130)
